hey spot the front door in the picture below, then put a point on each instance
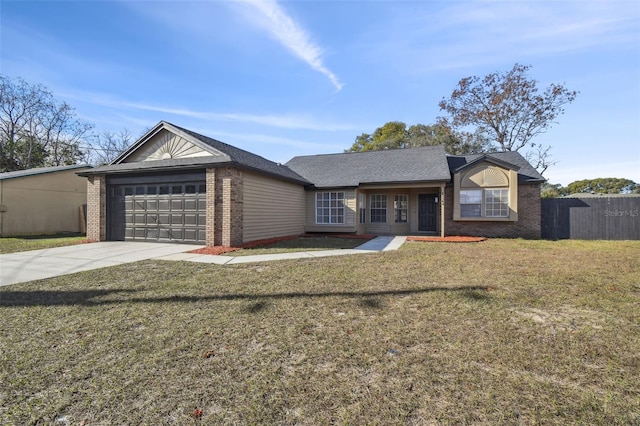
(427, 212)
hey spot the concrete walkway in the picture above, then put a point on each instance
(371, 246)
(47, 263)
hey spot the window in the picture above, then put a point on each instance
(330, 207)
(362, 206)
(401, 208)
(471, 203)
(378, 208)
(495, 201)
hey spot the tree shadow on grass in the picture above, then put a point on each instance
(260, 301)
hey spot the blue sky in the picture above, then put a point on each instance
(282, 79)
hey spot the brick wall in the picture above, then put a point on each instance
(96, 208)
(528, 224)
(224, 207)
(213, 236)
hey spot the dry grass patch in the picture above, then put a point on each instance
(503, 332)
(18, 244)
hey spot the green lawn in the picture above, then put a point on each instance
(16, 244)
(498, 332)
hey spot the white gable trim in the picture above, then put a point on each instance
(154, 146)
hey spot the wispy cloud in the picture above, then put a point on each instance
(279, 25)
(474, 34)
(283, 121)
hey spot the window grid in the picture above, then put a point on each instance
(378, 208)
(401, 207)
(497, 203)
(330, 207)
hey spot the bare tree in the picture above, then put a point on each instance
(508, 108)
(35, 129)
(107, 146)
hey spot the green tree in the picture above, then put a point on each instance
(35, 129)
(508, 108)
(553, 190)
(604, 186)
(395, 135)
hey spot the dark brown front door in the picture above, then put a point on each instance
(427, 212)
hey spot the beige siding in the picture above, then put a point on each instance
(271, 208)
(48, 203)
(350, 214)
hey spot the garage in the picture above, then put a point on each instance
(157, 208)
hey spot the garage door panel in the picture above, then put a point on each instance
(152, 205)
(190, 204)
(151, 219)
(176, 234)
(190, 234)
(167, 212)
(164, 219)
(190, 219)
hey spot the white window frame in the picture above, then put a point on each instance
(485, 200)
(378, 208)
(401, 208)
(330, 205)
(362, 207)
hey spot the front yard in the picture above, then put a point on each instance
(497, 332)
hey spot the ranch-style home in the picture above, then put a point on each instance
(175, 185)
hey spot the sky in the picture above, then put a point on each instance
(288, 78)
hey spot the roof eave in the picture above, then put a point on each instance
(489, 159)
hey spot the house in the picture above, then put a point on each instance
(39, 201)
(177, 185)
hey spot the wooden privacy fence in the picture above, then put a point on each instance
(591, 218)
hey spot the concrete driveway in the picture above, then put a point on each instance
(38, 264)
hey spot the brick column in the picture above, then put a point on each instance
(232, 207)
(96, 208)
(213, 237)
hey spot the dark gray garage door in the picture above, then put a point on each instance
(165, 212)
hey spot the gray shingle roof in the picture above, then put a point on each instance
(40, 170)
(424, 164)
(230, 156)
(526, 172)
